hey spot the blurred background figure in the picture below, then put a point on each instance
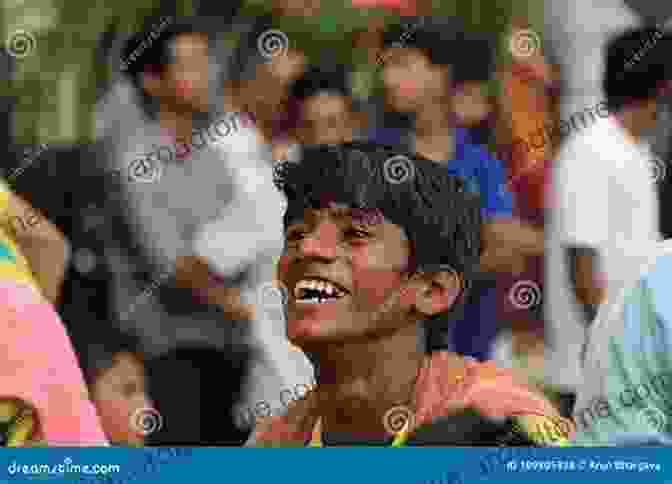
(604, 220)
(114, 369)
(326, 109)
(157, 280)
(423, 77)
(200, 415)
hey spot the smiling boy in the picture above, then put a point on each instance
(363, 289)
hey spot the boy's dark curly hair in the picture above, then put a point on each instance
(441, 219)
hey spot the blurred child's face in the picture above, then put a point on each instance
(325, 119)
(188, 74)
(118, 392)
(286, 66)
(411, 80)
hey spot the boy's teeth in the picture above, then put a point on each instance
(326, 289)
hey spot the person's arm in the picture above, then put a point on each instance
(193, 273)
(584, 273)
(43, 245)
(520, 236)
(507, 241)
(245, 229)
(252, 223)
(583, 214)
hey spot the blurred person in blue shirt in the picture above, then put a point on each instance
(422, 76)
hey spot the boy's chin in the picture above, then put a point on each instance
(306, 335)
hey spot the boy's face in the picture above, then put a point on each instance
(411, 80)
(118, 392)
(359, 259)
(325, 119)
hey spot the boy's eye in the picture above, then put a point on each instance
(295, 234)
(357, 233)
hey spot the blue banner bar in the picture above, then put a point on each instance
(339, 465)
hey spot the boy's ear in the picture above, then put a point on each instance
(438, 291)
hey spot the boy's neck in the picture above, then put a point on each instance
(359, 382)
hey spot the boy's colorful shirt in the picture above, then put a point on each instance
(13, 265)
(492, 391)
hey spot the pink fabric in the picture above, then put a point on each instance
(39, 366)
(492, 390)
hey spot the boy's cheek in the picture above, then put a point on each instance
(373, 287)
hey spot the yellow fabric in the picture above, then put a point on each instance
(543, 430)
(18, 421)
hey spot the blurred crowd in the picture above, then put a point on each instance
(163, 231)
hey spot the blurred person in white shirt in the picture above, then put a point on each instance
(604, 208)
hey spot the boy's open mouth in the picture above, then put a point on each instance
(317, 290)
